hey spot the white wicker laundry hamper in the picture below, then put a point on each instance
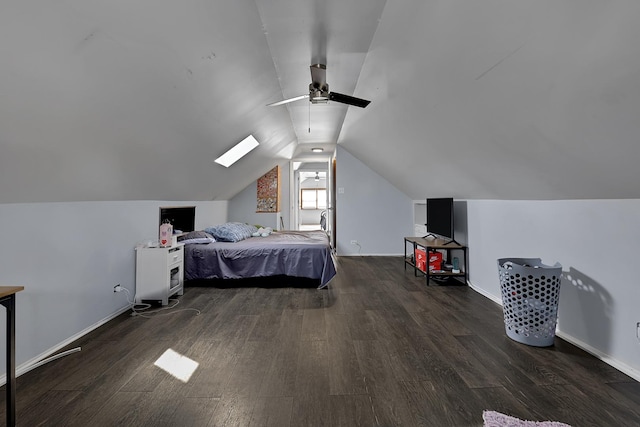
(530, 294)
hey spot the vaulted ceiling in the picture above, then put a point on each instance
(500, 99)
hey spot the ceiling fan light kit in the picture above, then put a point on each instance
(319, 91)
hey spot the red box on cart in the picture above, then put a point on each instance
(435, 261)
(421, 258)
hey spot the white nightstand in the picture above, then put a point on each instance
(159, 273)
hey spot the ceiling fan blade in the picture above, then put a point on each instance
(286, 101)
(318, 75)
(346, 99)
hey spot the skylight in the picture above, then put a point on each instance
(237, 152)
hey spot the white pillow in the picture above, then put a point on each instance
(198, 240)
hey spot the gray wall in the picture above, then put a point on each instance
(69, 256)
(242, 207)
(596, 241)
(370, 210)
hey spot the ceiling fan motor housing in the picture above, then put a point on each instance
(317, 94)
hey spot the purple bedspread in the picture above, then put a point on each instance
(291, 253)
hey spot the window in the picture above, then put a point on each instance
(313, 198)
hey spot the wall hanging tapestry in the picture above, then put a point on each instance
(269, 191)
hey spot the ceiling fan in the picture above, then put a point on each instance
(319, 91)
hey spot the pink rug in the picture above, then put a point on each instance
(496, 419)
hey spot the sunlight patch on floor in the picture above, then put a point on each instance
(177, 365)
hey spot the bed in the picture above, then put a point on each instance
(297, 254)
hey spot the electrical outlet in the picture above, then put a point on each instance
(117, 288)
(354, 242)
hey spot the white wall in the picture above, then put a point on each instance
(596, 241)
(242, 207)
(310, 216)
(369, 210)
(69, 256)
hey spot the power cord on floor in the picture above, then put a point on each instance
(140, 309)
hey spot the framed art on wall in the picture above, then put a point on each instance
(268, 197)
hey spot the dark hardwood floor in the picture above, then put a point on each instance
(377, 348)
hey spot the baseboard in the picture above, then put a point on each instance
(620, 366)
(485, 294)
(25, 367)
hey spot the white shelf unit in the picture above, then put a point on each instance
(159, 273)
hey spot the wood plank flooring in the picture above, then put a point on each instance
(378, 348)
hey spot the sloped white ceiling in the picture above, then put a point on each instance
(127, 100)
(503, 99)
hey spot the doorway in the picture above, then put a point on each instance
(310, 196)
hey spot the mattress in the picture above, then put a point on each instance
(304, 254)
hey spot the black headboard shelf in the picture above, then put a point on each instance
(182, 218)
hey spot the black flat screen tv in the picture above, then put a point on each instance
(182, 218)
(440, 217)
